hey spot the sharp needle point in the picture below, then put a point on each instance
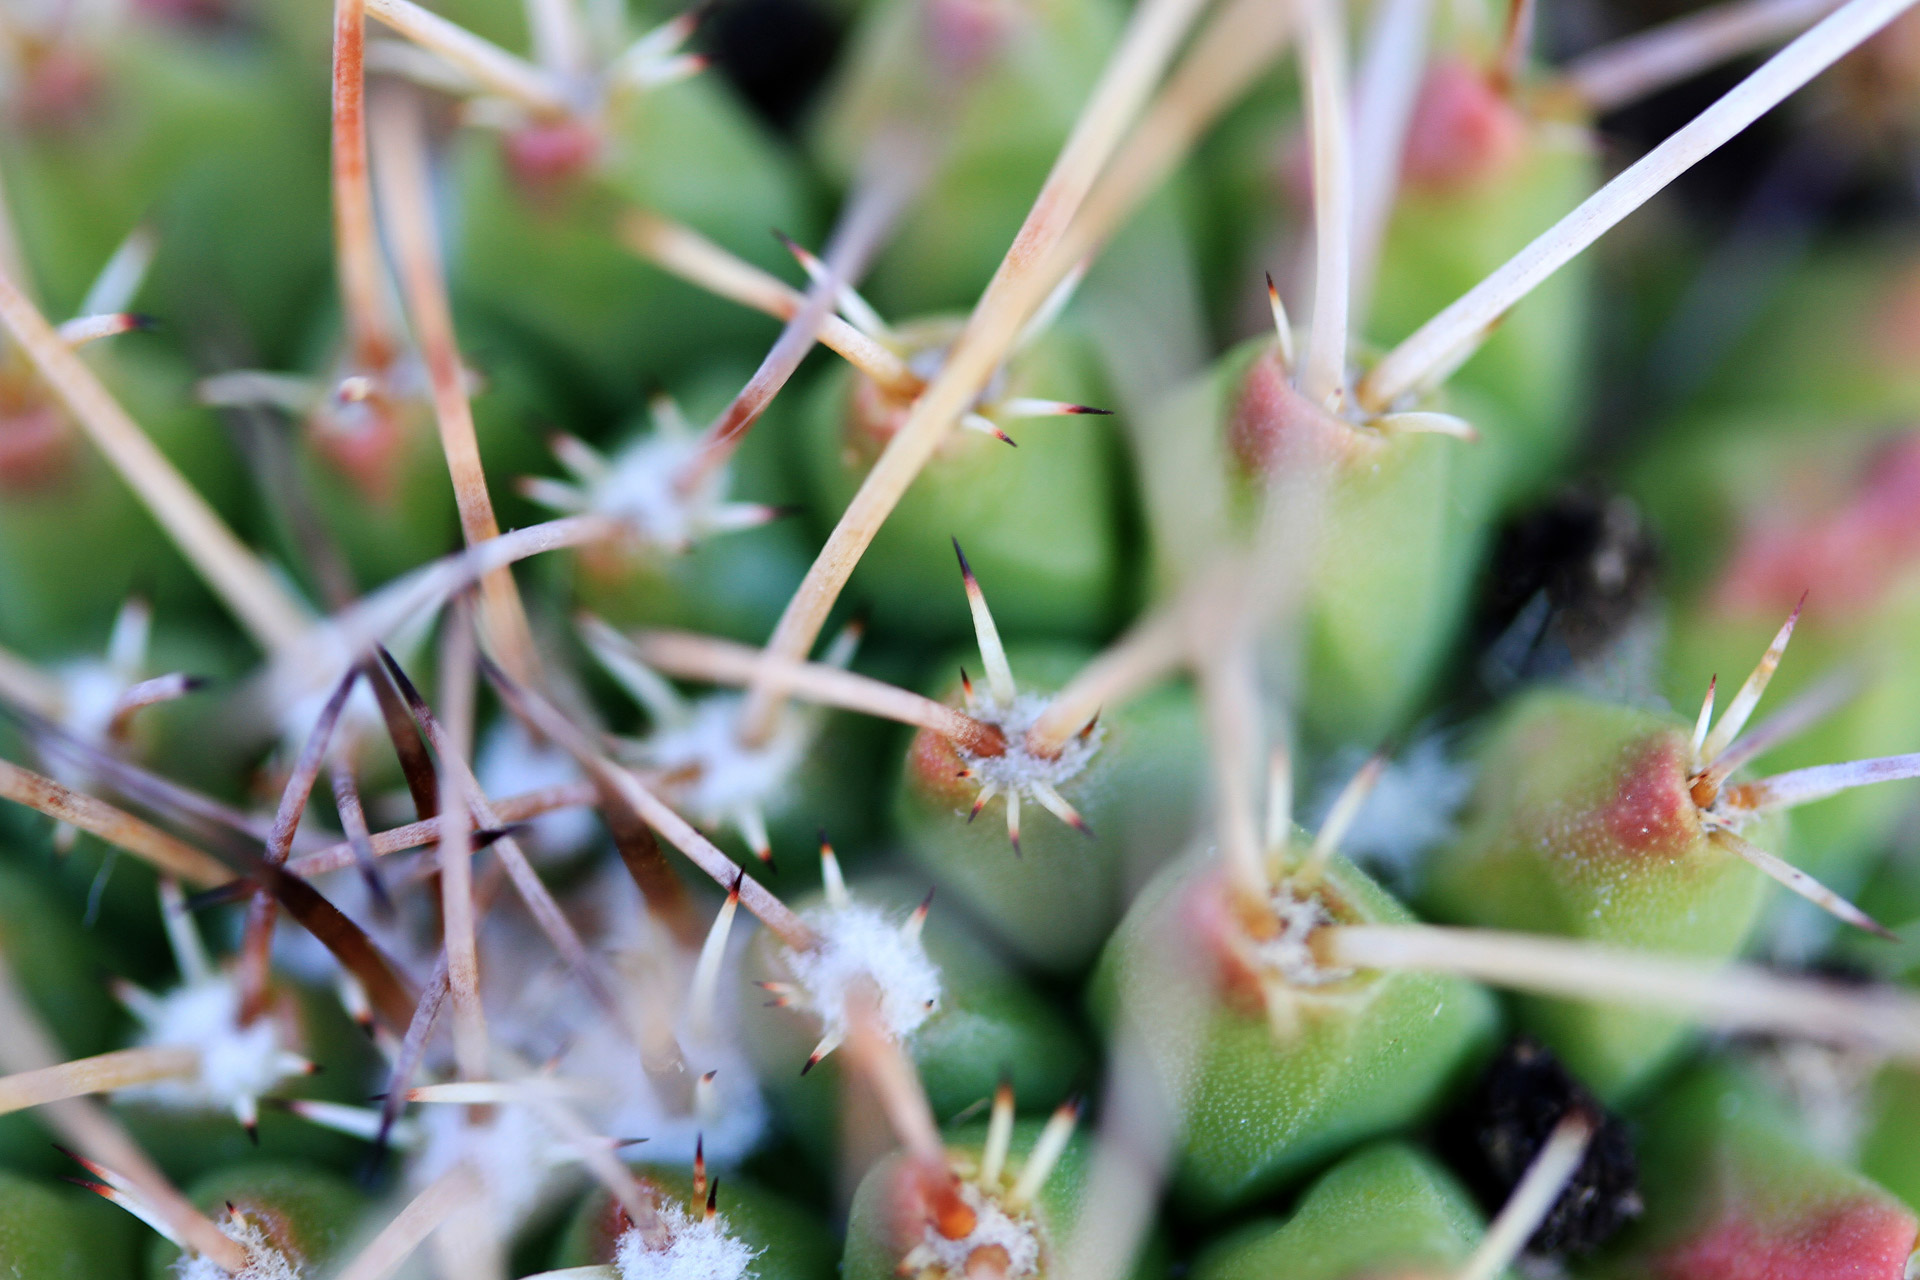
(1741, 708)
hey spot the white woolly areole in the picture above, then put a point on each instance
(697, 1249)
(264, 1261)
(236, 1062)
(1410, 812)
(640, 490)
(360, 719)
(1018, 768)
(90, 689)
(542, 1014)
(1289, 954)
(728, 776)
(509, 762)
(856, 943)
(993, 1225)
(518, 1157)
(298, 686)
(730, 1125)
(731, 1113)
(1829, 1089)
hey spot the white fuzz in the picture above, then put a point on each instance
(509, 762)
(90, 688)
(727, 777)
(1410, 811)
(639, 490)
(294, 694)
(731, 1125)
(697, 1249)
(857, 942)
(993, 1225)
(1289, 954)
(90, 691)
(236, 1062)
(519, 1158)
(544, 1016)
(264, 1262)
(1020, 769)
(1828, 1089)
(641, 486)
(360, 719)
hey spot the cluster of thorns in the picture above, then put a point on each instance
(1147, 109)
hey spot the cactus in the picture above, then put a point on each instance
(1005, 1197)
(1613, 824)
(303, 1214)
(1385, 1206)
(1733, 1190)
(782, 1238)
(46, 1234)
(429, 667)
(1284, 1058)
(1114, 785)
(982, 1019)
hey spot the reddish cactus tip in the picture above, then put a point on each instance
(987, 427)
(1847, 1239)
(918, 919)
(1465, 130)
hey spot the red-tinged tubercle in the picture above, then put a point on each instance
(1650, 811)
(1852, 1240)
(364, 439)
(1856, 548)
(59, 89)
(962, 36)
(1272, 429)
(937, 770)
(926, 1194)
(952, 1217)
(36, 448)
(1209, 913)
(1227, 923)
(548, 154)
(1464, 132)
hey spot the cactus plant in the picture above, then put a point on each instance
(421, 698)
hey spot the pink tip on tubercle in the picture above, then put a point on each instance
(362, 438)
(182, 12)
(1464, 131)
(36, 446)
(1651, 812)
(1855, 549)
(963, 35)
(57, 90)
(1273, 428)
(1864, 1239)
(544, 155)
